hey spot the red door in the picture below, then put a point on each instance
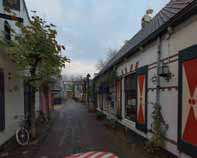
(188, 101)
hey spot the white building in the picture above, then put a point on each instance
(159, 66)
(11, 87)
(78, 90)
(68, 89)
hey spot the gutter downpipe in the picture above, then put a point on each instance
(158, 68)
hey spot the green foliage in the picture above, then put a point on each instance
(100, 115)
(36, 51)
(37, 55)
(111, 77)
(3, 44)
(108, 78)
(159, 131)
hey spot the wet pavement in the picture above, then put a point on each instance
(75, 130)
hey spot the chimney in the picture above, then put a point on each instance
(147, 17)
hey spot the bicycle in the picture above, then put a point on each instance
(23, 132)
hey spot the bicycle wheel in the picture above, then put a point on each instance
(22, 136)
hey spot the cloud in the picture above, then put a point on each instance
(49, 9)
(88, 28)
(79, 68)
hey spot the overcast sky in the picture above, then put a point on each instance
(88, 28)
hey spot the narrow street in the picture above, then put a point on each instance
(76, 131)
(133, 61)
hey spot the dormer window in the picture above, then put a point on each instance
(7, 31)
(12, 4)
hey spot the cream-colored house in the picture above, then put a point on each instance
(158, 66)
(12, 91)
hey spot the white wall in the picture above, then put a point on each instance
(22, 14)
(14, 90)
(183, 36)
(14, 98)
(144, 57)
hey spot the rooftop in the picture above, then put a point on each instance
(169, 14)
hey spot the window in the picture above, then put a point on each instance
(12, 4)
(131, 97)
(7, 31)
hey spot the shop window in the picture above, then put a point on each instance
(131, 97)
(12, 4)
(7, 31)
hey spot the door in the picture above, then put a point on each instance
(118, 98)
(2, 101)
(187, 120)
(141, 118)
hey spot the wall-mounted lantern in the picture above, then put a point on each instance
(164, 71)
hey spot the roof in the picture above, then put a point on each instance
(93, 155)
(160, 22)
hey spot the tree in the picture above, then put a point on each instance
(37, 53)
(110, 54)
(101, 63)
